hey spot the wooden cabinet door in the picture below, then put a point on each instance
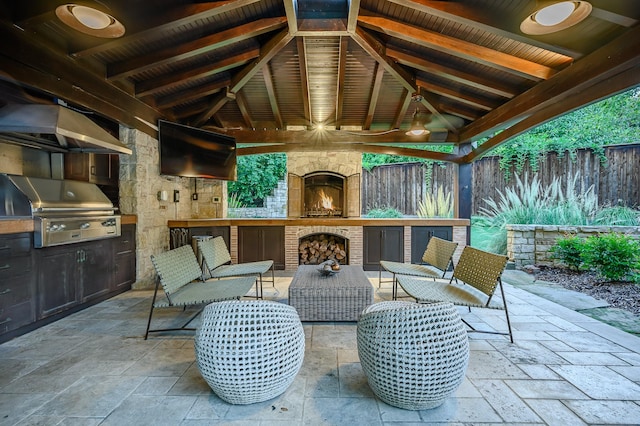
(17, 281)
(420, 236)
(57, 280)
(256, 243)
(382, 243)
(95, 262)
(124, 258)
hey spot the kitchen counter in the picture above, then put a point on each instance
(16, 225)
(315, 221)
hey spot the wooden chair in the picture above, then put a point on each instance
(216, 259)
(476, 277)
(180, 275)
(437, 258)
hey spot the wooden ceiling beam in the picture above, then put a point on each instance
(273, 98)
(456, 95)
(304, 79)
(192, 94)
(473, 80)
(193, 48)
(267, 52)
(352, 18)
(35, 20)
(351, 147)
(603, 89)
(402, 109)
(14, 71)
(244, 109)
(184, 15)
(30, 53)
(378, 51)
(373, 99)
(460, 48)
(191, 110)
(262, 136)
(607, 61)
(458, 111)
(342, 70)
(290, 7)
(477, 17)
(322, 27)
(152, 86)
(217, 102)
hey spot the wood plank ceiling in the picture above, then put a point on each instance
(270, 72)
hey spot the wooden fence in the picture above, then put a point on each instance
(402, 186)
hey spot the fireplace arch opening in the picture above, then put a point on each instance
(314, 249)
(324, 194)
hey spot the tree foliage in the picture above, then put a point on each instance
(369, 160)
(615, 120)
(258, 175)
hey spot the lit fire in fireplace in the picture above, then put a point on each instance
(326, 202)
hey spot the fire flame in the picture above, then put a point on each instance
(325, 200)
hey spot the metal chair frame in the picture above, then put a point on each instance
(479, 272)
(216, 261)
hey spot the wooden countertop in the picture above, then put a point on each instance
(14, 226)
(25, 224)
(310, 221)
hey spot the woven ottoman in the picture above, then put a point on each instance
(338, 297)
(249, 350)
(414, 355)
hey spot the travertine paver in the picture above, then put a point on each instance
(94, 367)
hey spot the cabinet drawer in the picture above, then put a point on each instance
(14, 267)
(17, 245)
(127, 240)
(16, 316)
(16, 290)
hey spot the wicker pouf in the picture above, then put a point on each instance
(249, 350)
(414, 355)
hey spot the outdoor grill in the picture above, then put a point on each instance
(64, 211)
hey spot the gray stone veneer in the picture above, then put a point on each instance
(530, 244)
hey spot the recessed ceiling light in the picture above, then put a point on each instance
(90, 21)
(550, 17)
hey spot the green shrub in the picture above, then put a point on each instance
(612, 255)
(569, 250)
(384, 213)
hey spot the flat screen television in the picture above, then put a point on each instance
(192, 152)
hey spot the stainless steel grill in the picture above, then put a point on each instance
(64, 211)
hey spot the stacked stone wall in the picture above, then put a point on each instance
(140, 182)
(531, 244)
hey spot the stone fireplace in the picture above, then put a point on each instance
(323, 194)
(324, 184)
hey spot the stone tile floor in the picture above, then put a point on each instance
(94, 367)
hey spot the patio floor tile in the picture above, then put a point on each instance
(94, 367)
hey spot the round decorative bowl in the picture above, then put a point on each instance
(328, 268)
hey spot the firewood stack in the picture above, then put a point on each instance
(319, 248)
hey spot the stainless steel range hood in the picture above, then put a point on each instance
(54, 126)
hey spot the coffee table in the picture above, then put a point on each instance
(338, 297)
